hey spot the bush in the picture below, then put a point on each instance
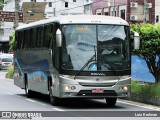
(10, 72)
(145, 88)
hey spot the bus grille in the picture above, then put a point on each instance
(97, 85)
(89, 93)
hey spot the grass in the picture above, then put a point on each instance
(10, 72)
(145, 88)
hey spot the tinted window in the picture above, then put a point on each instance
(39, 37)
(26, 38)
(22, 39)
(48, 35)
(33, 33)
(6, 60)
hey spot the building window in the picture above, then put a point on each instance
(113, 13)
(123, 14)
(106, 13)
(50, 4)
(98, 13)
(74, 0)
(157, 18)
(66, 4)
(33, 0)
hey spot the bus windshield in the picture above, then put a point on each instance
(108, 43)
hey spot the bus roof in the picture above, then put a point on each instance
(78, 19)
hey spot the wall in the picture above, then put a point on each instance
(157, 11)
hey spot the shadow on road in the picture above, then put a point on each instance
(75, 103)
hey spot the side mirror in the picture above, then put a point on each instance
(59, 38)
(136, 41)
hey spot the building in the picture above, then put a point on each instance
(88, 7)
(34, 10)
(141, 11)
(59, 7)
(6, 28)
(157, 11)
(130, 10)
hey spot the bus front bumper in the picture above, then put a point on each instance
(78, 91)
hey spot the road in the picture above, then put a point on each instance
(12, 98)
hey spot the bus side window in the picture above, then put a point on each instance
(47, 35)
(22, 39)
(30, 41)
(26, 38)
(33, 38)
(40, 37)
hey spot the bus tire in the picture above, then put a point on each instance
(28, 92)
(111, 101)
(53, 100)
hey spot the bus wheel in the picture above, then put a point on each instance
(28, 92)
(111, 101)
(53, 100)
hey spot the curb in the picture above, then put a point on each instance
(153, 100)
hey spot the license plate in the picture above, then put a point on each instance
(97, 90)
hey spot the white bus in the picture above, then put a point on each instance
(79, 56)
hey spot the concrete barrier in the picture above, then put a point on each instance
(153, 100)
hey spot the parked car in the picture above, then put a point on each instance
(5, 62)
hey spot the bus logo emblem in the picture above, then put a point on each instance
(93, 67)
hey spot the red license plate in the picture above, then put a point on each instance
(97, 90)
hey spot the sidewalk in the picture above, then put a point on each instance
(3, 74)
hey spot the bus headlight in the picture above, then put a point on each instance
(67, 87)
(124, 88)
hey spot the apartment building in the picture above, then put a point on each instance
(34, 10)
(157, 11)
(130, 10)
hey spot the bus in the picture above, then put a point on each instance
(74, 56)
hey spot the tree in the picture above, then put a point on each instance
(150, 47)
(12, 42)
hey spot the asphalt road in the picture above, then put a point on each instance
(12, 98)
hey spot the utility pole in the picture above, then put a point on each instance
(145, 11)
(16, 14)
(54, 12)
(114, 8)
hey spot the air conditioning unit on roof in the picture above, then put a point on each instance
(134, 5)
(149, 5)
(133, 17)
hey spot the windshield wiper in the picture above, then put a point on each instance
(111, 67)
(85, 65)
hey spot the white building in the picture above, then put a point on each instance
(7, 27)
(157, 11)
(53, 8)
(60, 7)
(88, 6)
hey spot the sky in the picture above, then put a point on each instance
(139, 70)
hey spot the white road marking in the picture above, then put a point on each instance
(137, 104)
(44, 104)
(57, 109)
(10, 93)
(31, 100)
